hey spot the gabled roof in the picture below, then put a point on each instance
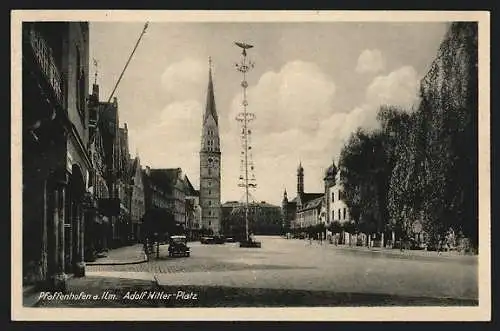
(312, 204)
(306, 197)
(133, 167)
(190, 191)
(165, 178)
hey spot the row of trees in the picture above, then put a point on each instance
(420, 165)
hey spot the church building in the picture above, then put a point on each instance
(296, 211)
(210, 164)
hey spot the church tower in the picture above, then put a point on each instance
(210, 163)
(300, 179)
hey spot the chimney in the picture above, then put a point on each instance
(148, 170)
(126, 127)
(115, 101)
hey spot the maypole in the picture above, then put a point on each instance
(247, 178)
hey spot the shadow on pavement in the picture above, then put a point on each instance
(123, 293)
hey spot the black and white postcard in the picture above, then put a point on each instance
(328, 166)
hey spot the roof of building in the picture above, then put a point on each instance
(134, 163)
(306, 197)
(331, 172)
(189, 187)
(262, 204)
(315, 203)
(165, 178)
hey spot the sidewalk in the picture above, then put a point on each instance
(414, 253)
(124, 255)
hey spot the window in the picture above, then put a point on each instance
(333, 196)
(209, 202)
(333, 215)
(209, 171)
(209, 213)
(209, 223)
(339, 214)
(209, 192)
(344, 213)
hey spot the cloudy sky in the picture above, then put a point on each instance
(313, 84)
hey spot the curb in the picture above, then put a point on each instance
(398, 253)
(144, 260)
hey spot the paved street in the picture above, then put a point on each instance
(293, 272)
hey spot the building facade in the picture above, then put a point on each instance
(263, 219)
(310, 213)
(210, 164)
(336, 209)
(56, 161)
(97, 228)
(137, 204)
(193, 209)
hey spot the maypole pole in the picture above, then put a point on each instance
(245, 117)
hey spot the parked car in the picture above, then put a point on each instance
(230, 240)
(219, 240)
(207, 240)
(178, 246)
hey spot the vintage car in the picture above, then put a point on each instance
(178, 246)
(219, 240)
(207, 240)
(211, 240)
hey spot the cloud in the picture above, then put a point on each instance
(298, 96)
(173, 140)
(296, 121)
(185, 80)
(370, 61)
(290, 105)
(399, 88)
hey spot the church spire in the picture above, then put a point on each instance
(210, 107)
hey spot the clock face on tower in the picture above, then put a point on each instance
(213, 162)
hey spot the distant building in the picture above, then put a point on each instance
(137, 203)
(336, 209)
(168, 189)
(298, 210)
(263, 218)
(193, 209)
(310, 213)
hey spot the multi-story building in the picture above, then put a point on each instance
(210, 164)
(168, 188)
(263, 218)
(97, 228)
(310, 213)
(137, 205)
(56, 161)
(336, 209)
(193, 209)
